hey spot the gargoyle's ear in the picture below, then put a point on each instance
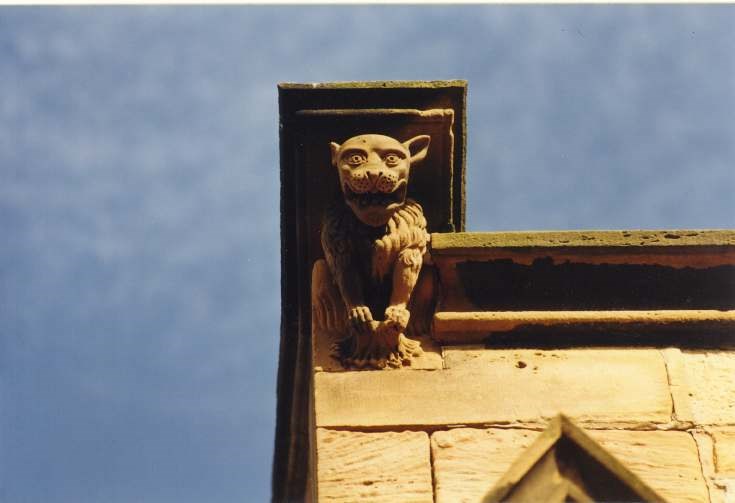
(418, 147)
(335, 150)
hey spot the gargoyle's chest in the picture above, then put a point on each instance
(363, 247)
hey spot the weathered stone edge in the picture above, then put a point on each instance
(377, 84)
(477, 243)
(473, 327)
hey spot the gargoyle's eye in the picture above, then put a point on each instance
(392, 159)
(356, 159)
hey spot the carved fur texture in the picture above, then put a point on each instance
(370, 256)
(405, 240)
(374, 240)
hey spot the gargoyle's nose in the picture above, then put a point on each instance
(373, 176)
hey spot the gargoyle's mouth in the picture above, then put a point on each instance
(381, 199)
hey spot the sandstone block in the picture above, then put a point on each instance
(668, 461)
(724, 443)
(678, 384)
(374, 467)
(468, 462)
(484, 387)
(710, 376)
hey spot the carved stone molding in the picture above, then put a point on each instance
(312, 116)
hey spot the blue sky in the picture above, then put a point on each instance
(139, 269)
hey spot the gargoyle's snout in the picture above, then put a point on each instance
(373, 177)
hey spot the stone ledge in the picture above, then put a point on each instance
(586, 270)
(483, 243)
(483, 387)
(477, 326)
(378, 84)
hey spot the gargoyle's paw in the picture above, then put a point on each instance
(399, 315)
(360, 320)
(360, 314)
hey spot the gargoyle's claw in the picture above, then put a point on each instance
(396, 319)
(360, 319)
(360, 313)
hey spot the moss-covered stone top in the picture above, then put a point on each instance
(478, 243)
(412, 84)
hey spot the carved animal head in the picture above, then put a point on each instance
(373, 173)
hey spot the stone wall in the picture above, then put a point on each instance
(449, 433)
(645, 365)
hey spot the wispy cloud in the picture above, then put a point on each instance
(139, 270)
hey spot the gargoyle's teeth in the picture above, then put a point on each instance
(382, 199)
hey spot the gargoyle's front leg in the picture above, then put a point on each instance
(392, 330)
(405, 274)
(357, 346)
(349, 283)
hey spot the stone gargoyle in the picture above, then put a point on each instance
(374, 240)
